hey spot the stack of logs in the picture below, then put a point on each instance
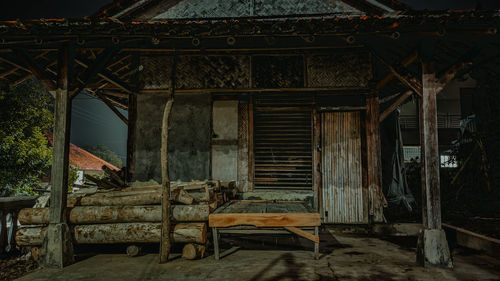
(133, 215)
(113, 180)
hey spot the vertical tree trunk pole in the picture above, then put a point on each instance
(165, 199)
(57, 244)
(432, 247)
(166, 222)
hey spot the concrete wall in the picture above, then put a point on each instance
(189, 137)
(225, 140)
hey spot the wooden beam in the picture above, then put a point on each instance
(404, 63)
(404, 76)
(34, 68)
(92, 70)
(303, 233)
(450, 75)
(108, 76)
(402, 98)
(333, 90)
(430, 148)
(113, 108)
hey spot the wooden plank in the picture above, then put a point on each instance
(431, 181)
(305, 234)
(264, 220)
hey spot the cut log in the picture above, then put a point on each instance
(149, 198)
(193, 251)
(119, 233)
(181, 196)
(117, 214)
(133, 250)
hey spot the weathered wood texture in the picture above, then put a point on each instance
(131, 135)
(303, 233)
(264, 219)
(165, 243)
(117, 214)
(374, 165)
(193, 251)
(120, 233)
(60, 158)
(430, 148)
(133, 250)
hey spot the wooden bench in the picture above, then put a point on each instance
(262, 216)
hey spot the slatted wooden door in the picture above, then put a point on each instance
(283, 142)
(341, 167)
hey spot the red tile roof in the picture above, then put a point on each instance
(83, 159)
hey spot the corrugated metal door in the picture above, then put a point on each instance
(283, 142)
(341, 167)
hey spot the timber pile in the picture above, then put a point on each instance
(133, 215)
(112, 180)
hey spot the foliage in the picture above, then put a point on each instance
(24, 154)
(105, 153)
(72, 176)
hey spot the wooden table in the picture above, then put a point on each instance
(263, 216)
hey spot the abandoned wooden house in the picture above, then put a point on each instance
(286, 98)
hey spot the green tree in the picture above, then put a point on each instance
(25, 114)
(105, 154)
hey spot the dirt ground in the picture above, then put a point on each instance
(343, 257)
(14, 267)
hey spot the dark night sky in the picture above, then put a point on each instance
(92, 122)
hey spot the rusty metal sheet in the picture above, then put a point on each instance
(342, 189)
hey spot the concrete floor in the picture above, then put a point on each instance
(344, 257)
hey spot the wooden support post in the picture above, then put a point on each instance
(166, 225)
(216, 243)
(316, 244)
(430, 179)
(374, 166)
(432, 249)
(57, 245)
(132, 120)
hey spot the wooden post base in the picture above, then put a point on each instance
(432, 249)
(57, 246)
